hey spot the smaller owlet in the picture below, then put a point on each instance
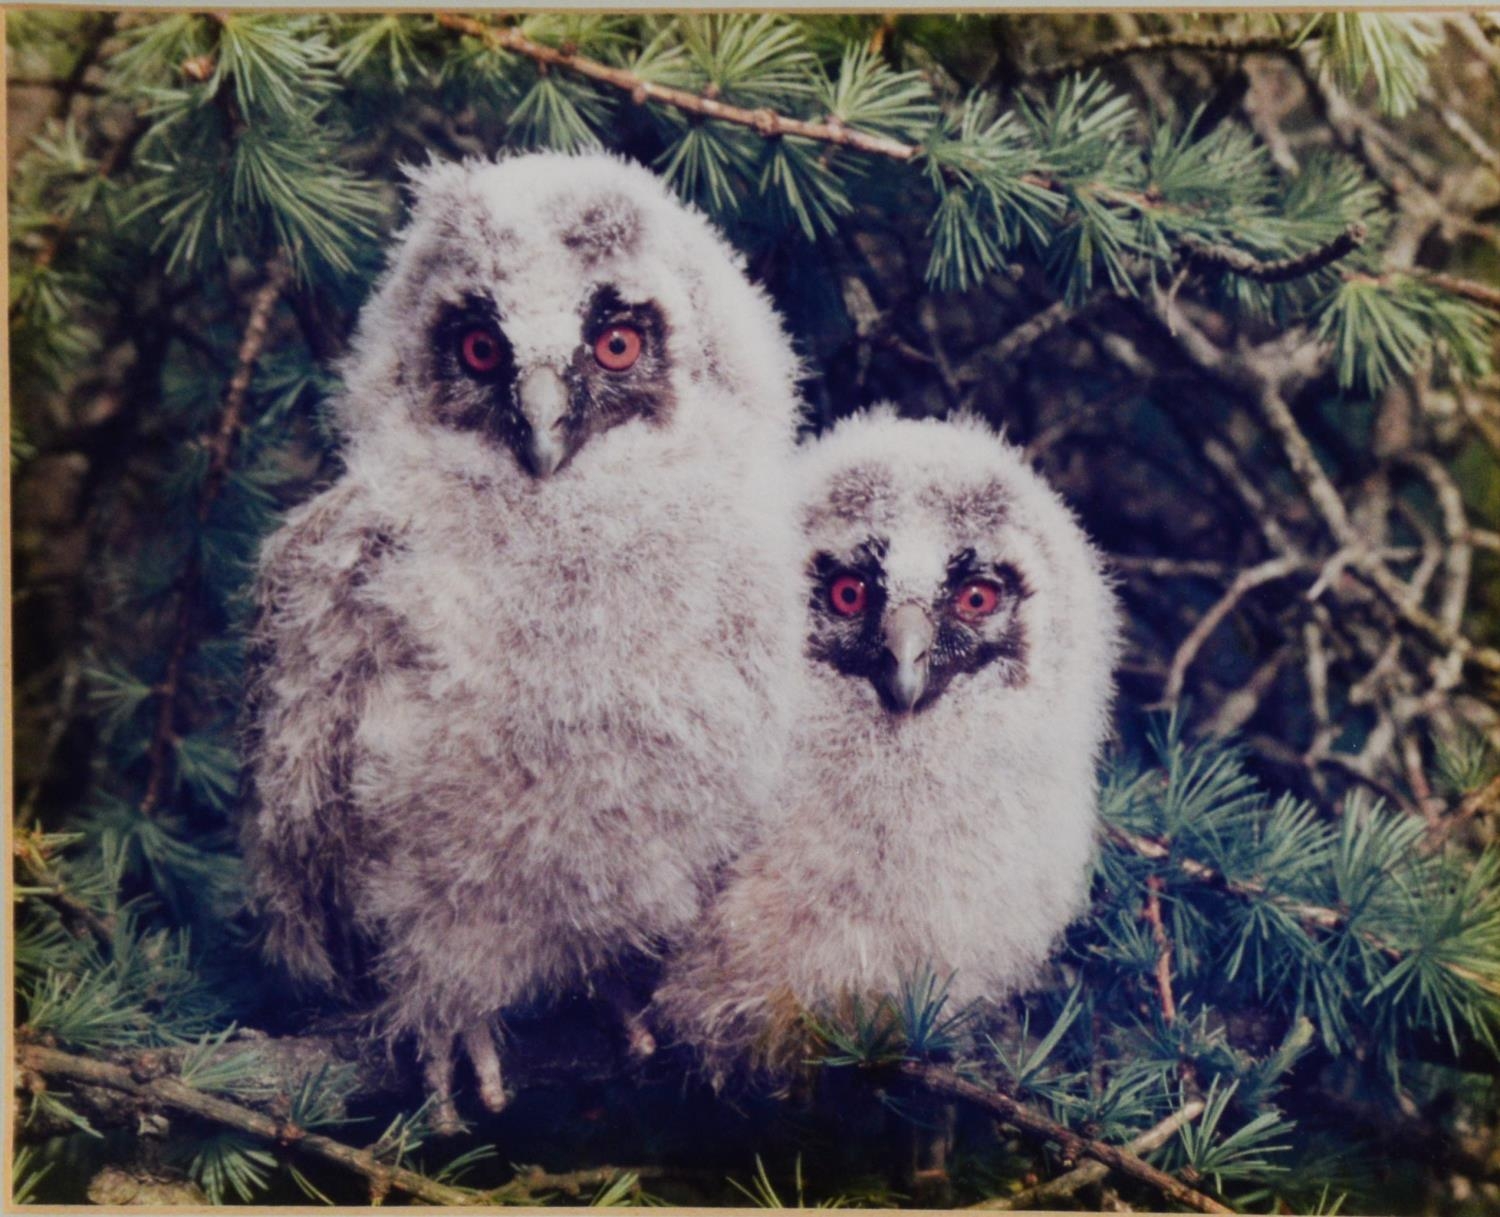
(938, 813)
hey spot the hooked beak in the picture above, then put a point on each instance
(544, 403)
(908, 640)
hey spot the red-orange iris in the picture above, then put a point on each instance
(618, 347)
(847, 594)
(481, 351)
(976, 599)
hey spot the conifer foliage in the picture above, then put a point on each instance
(1231, 281)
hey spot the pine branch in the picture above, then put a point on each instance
(936, 1079)
(764, 122)
(49, 886)
(221, 449)
(1313, 916)
(1155, 44)
(109, 164)
(1074, 1181)
(1480, 293)
(1237, 261)
(170, 1093)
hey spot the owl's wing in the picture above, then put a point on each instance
(318, 646)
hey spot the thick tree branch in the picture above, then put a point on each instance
(936, 1079)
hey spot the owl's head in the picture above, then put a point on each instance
(939, 562)
(540, 301)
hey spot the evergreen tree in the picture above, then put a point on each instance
(1232, 282)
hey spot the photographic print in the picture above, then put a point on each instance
(756, 609)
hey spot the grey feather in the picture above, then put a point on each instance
(953, 834)
(505, 727)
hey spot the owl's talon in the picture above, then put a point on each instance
(479, 1043)
(639, 1041)
(437, 1073)
(445, 1121)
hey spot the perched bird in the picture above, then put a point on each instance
(938, 811)
(518, 672)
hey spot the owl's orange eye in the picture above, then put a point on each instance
(976, 599)
(847, 594)
(481, 351)
(618, 347)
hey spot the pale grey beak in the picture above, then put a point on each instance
(544, 402)
(908, 640)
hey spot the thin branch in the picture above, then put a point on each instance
(1203, 255)
(221, 449)
(1155, 44)
(1238, 706)
(1468, 289)
(1064, 1186)
(1152, 914)
(1312, 915)
(175, 1095)
(1032, 331)
(941, 1081)
(765, 122)
(769, 124)
(1245, 582)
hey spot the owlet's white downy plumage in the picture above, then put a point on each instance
(521, 667)
(938, 814)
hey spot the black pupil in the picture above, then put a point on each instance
(481, 348)
(617, 344)
(848, 593)
(976, 599)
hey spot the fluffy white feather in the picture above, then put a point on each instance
(957, 838)
(506, 727)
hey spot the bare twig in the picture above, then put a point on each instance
(1245, 582)
(1152, 914)
(1043, 1194)
(1236, 261)
(1480, 293)
(1031, 331)
(941, 1081)
(1182, 40)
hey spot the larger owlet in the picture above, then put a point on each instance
(521, 666)
(938, 813)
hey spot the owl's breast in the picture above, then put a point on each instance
(592, 644)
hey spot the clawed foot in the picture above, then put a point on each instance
(639, 1041)
(640, 1044)
(478, 1044)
